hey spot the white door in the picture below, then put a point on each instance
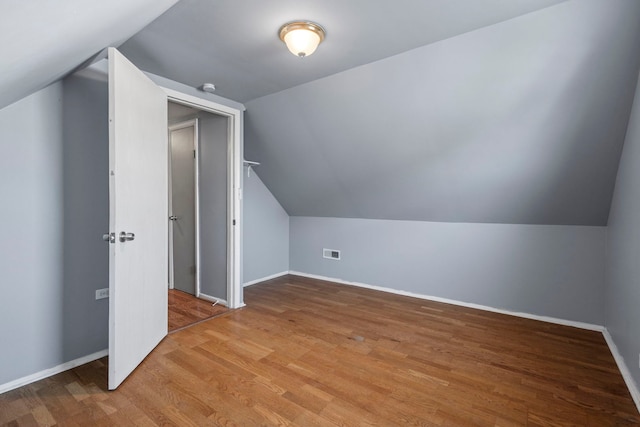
(182, 206)
(138, 209)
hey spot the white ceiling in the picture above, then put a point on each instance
(234, 44)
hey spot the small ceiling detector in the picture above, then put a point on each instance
(209, 87)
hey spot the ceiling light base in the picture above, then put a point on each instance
(302, 37)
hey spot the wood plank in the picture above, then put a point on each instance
(308, 352)
(186, 310)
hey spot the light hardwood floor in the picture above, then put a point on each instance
(311, 353)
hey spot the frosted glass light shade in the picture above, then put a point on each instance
(302, 38)
(302, 42)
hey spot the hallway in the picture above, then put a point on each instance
(186, 310)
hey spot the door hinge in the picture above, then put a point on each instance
(194, 154)
(234, 222)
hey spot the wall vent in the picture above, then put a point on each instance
(331, 254)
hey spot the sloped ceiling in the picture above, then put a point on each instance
(504, 111)
(234, 44)
(519, 122)
(44, 40)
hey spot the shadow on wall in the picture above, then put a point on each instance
(54, 169)
(85, 256)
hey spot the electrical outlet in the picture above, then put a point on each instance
(102, 293)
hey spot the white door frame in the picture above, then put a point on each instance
(234, 186)
(181, 125)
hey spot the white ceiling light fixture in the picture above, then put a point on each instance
(302, 37)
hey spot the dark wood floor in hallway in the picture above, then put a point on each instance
(186, 310)
(311, 353)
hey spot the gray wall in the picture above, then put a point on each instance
(521, 122)
(54, 182)
(31, 186)
(86, 215)
(189, 90)
(555, 271)
(265, 238)
(623, 251)
(213, 204)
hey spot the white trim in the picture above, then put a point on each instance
(581, 325)
(51, 371)
(213, 299)
(264, 279)
(234, 212)
(199, 103)
(196, 183)
(170, 206)
(622, 366)
(234, 187)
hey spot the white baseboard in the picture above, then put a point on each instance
(51, 371)
(624, 369)
(213, 299)
(263, 279)
(575, 324)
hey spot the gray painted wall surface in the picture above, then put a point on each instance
(189, 90)
(41, 309)
(31, 181)
(521, 122)
(86, 215)
(623, 251)
(555, 271)
(54, 172)
(265, 238)
(213, 204)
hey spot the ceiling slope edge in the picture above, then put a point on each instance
(51, 39)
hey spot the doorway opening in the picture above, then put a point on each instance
(127, 180)
(198, 214)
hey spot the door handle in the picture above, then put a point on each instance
(126, 236)
(173, 218)
(109, 237)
